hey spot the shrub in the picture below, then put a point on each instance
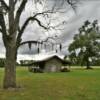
(65, 70)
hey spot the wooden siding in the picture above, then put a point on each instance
(53, 65)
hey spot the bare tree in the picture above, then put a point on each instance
(12, 34)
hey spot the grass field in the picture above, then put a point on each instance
(75, 85)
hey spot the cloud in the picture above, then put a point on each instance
(85, 10)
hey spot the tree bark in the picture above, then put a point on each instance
(10, 67)
(10, 45)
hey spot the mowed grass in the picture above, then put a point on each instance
(79, 84)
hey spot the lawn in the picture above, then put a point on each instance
(79, 84)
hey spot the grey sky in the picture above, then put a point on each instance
(89, 10)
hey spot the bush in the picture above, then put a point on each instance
(35, 70)
(65, 70)
(2, 62)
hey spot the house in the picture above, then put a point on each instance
(49, 64)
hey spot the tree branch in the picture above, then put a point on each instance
(44, 13)
(29, 42)
(33, 19)
(39, 23)
(25, 25)
(15, 2)
(19, 12)
(21, 30)
(0, 30)
(6, 7)
(47, 39)
(3, 27)
(2, 23)
(72, 3)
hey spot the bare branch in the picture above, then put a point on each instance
(47, 39)
(0, 30)
(25, 25)
(44, 13)
(27, 42)
(72, 3)
(19, 11)
(3, 28)
(2, 23)
(34, 18)
(6, 7)
(15, 2)
(39, 23)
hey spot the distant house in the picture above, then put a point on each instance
(50, 64)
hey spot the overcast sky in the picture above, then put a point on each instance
(89, 10)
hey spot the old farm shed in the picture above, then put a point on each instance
(50, 64)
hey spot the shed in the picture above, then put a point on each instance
(50, 64)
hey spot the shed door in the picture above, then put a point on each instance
(53, 68)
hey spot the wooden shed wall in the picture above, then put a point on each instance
(53, 65)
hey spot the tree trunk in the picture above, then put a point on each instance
(10, 67)
(88, 64)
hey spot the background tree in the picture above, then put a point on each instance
(12, 32)
(2, 62)
(86, 44)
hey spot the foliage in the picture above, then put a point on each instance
(2, 62)
(86, 44)
(65, 69)
(26, 62)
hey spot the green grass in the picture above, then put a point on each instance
(75, 85)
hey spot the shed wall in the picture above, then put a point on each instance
(53, 65)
